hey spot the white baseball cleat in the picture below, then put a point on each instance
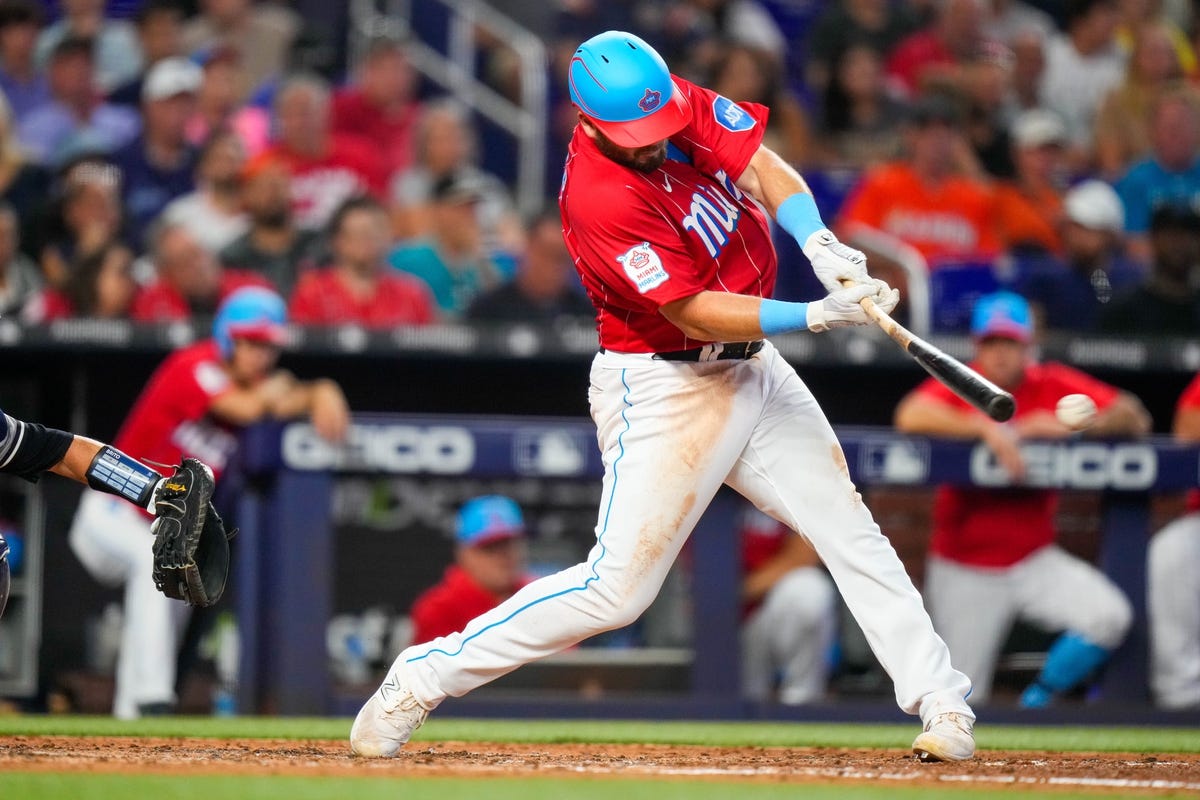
(947, 737)
(387, 721)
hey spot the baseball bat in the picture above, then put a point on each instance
(957, 376)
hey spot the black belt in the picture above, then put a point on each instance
(720, 351)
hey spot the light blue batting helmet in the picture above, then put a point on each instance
(254, 313)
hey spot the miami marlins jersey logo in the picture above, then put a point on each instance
(644, 267)
(713, 216)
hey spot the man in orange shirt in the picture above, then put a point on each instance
(1030, 207)
(928, 200)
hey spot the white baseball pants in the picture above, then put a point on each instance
(112, 539)
(670, 434)
(1173, 604)
(789, 635)
(973, 608)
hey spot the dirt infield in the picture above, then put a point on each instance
(1122, 773)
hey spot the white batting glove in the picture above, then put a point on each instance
(844, 307)
(834, 262)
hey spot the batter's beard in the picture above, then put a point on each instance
(643, 159)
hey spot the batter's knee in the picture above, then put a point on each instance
(614, 607)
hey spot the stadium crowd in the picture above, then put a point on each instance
(152, 163)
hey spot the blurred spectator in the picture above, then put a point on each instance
(490, 565)
(451, 260)
(273, 246)
(1068, 292)
(218, 103)
(933, 56)
(75, 119)
(545, 287)
(82, 220)
(159, 29)
(986, 84)
(20, 278)
(687, 28)
(22, 184)
(189, 283)
(789, 614)
(1167, 303)
(1082, 66)
(744, 74)
(1139, 14)
(877, 24)
(446, 143)
(1029, 208)
(21, 81)
(1173, 585)
(262, 34)
(213, 212)
(117, 53)
(381, 104)
(1122, 130)
(100, 285)
(159, 165)
(1029, 64)
(327, 168)
(992, 557)
(1171, 173)
(860, 122)
(359, 287)
(1006, 20)
(931, 200)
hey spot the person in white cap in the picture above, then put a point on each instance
(1068, 292)
(160, 165)
(1030, 206)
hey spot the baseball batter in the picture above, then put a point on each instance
(992, 554)
(1173, 585)
(661, 212)
(192, 406)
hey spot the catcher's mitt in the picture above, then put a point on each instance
(191, 548)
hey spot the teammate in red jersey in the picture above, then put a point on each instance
(192, 406)
(660, 206)
(1173, 585)
(992, 556)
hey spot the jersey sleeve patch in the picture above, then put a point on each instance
(730, 116)
(644, 267)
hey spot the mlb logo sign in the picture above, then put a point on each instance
(643, 267)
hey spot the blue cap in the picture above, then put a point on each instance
(489, 519)
(624, 87)
(253, 312)
(1002, 314)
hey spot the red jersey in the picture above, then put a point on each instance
(999, 527)
(349, 167)
(912, 57)
(1190, 399)
(762, 538)
(447, 607)
(162, 302)
(322, 298)
(170, 418)
(392, 133)
(640, 240)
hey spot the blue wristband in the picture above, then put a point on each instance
(798, 215)
(780, 316)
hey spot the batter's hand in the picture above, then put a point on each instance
(844, 306)
(834, 262)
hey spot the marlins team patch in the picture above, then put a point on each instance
(644, 267)
(729, 115)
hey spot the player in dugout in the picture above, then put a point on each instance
(993, 558)
(193, 405)
(660, 205)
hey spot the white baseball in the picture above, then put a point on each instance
(1076, 411)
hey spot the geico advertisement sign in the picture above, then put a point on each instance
(1072, 466)
(441, 450)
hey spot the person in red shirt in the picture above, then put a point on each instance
(380, 105)
(193, 405)
(929, 200)
(1173, 585)
(327, 167)
(937, 53)
(992, 556)
(360, 287)
(489, 567)
(664, 203)
(190, 280)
